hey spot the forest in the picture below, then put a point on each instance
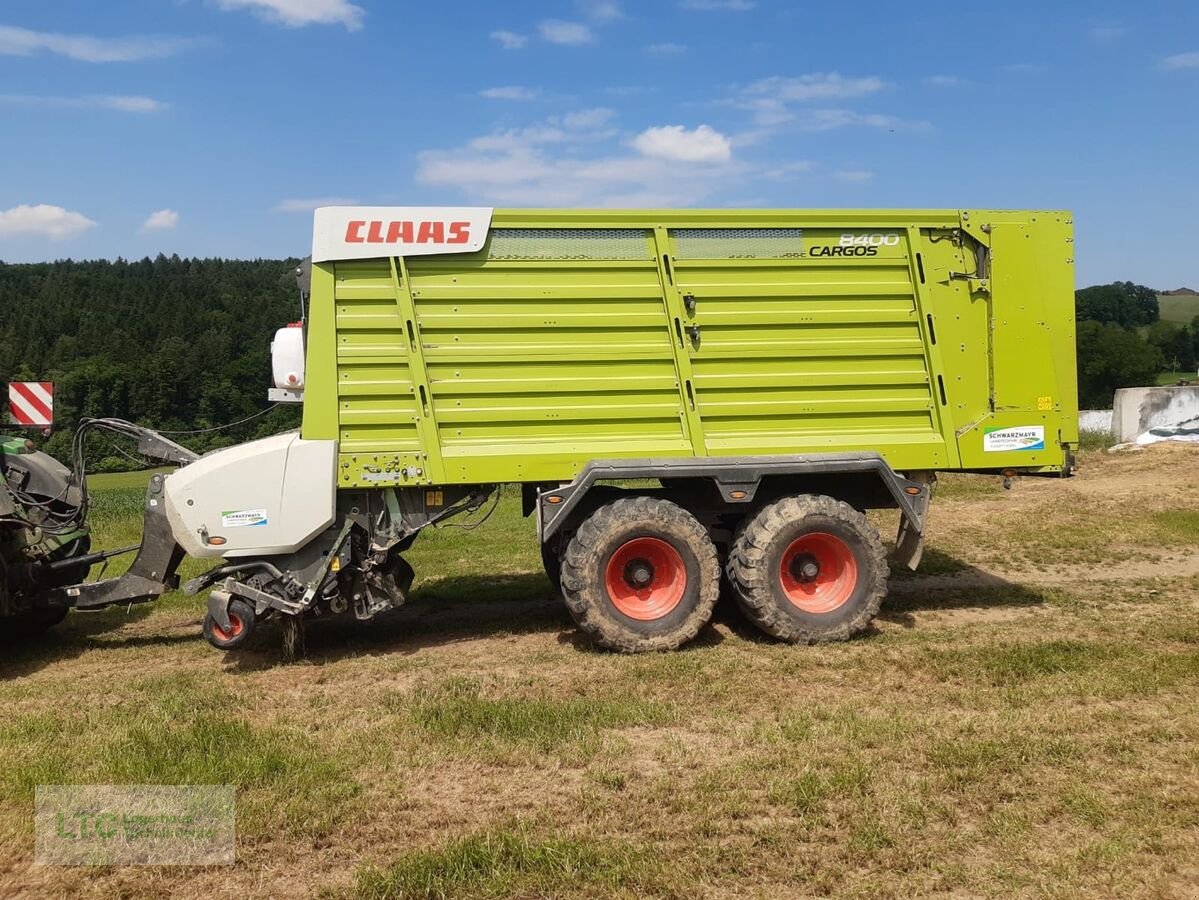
(183, 344)
(177, 344)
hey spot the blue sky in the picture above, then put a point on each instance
(212, 127)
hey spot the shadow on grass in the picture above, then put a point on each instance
(448, 611)
(949, 584)
(457, 609)
(75, 635)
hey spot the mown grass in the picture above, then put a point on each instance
(459, 714)
(1025, 739)
(177, 730)
(513, 862)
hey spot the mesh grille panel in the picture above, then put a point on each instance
(569, 243)
(738, 243)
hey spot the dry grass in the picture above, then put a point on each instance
(1031, 735)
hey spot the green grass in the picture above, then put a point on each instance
(1178, 309)
(177, 730)
(1171, 378)
(1179, 524)
(116, 481)
(1095, 440)
(459, 713)
(511, 862)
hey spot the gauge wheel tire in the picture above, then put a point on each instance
(242, 622)
(808, 569)
(640, 575)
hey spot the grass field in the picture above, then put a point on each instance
(1021, 722)
(1182, 310)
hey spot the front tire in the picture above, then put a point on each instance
(640, 575)
(242, 622)
(809, 569)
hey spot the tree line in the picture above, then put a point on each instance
(1123, 341)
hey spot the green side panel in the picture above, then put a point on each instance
(581, 335)
(538, 365)
(1033, 391)
(805, 354)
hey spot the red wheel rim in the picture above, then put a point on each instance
(818, 572)
(645, 578)
(236, 627)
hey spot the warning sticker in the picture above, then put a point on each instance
(1024, 437)
(243, 518)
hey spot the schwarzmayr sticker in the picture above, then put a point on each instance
(243, 518)
(1024, 437)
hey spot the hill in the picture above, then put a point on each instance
(1177, 307)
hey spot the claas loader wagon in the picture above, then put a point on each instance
(686, 399)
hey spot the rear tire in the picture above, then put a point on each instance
(639, 575)
(242, 622)
(809, 569)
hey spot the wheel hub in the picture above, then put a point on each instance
(639, 573)
(805, 568)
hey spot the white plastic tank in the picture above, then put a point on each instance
(287, 363)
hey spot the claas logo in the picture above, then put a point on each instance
(407, 232)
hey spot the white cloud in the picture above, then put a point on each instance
(510, 92)
(118, 102)
(1023, 68)
(1181, 61)
(43, 220)
(772, 100)
(87, 48)
(1106, 34)
(817, 86)
(163, 220)
(713, 5)
(665, 49)
(298, 13)
(854, 176)
(831, 119)
(556, 31)
(942, 81)
(674, 142)
(307, 205)
(509, 40)
(130, 104)
(603, 10)
(570, 161)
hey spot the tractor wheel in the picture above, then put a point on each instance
(31, 624)
(242, 622)
(640, 574)
(808, 569)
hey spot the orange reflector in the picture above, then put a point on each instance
(738, 495)
(1009, 473)
(913, 491)
(217, 541)
(553, 499)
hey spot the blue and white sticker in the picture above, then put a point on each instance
(1005, 440)
(243, 518)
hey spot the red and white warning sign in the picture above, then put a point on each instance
(31, 403)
